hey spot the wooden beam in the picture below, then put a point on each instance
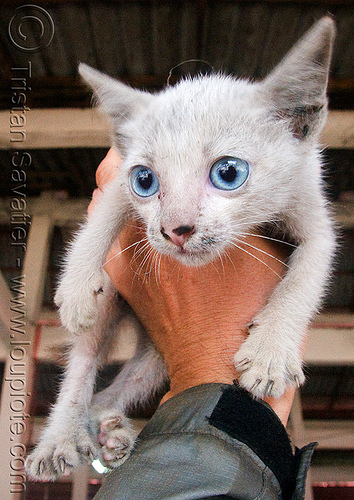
(330, 346)
(80, 482)
(5, 313)
(67, 91)
(344, 212)
(35, 264)
(339, 130)
(57, 128)
(72, 127)
(61, 212)
(316, 2)
(19, 366)
(330, 434)
(335, 473)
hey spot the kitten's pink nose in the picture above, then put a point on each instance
(179, 235)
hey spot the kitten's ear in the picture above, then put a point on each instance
(116, 99)
(297, 86)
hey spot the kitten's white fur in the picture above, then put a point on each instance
(179, 133)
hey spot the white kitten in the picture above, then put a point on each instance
(205, 162)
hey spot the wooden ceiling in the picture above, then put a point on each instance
(139, 41)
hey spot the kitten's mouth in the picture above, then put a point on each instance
(188, 250)
(193, 257)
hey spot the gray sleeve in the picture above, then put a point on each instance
(209, 442)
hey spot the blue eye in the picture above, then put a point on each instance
(143, 181)
(229, 173)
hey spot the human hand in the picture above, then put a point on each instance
(197, 317)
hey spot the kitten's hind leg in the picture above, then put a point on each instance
(66, 442)
(141, 377)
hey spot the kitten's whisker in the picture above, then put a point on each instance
(139, 251)
(269, 238)
(153, 263)
(122, 251)
(220, 255)
(139, 271)
(253, 224)
(264, 252)
(158, 275)
(226, 253)
(177, 267)
(215, 266)
(141, 254)
(257, 258)
(145, 259)
(134, 226)
(157, 263)
(147, 265)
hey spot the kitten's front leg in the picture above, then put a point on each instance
(270, 357)
(83, 278)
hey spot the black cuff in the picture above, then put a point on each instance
(254, 423)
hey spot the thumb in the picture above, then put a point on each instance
(107, 170)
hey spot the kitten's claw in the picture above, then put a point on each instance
(297, 381)
(111, 423)
(77, 302)
(255, 385)
(115, 435)
(57, 456)
(41, 467)
(250, 325)
(242, 365)
(62, 465)
(266, 370)
(269, 388)
(86, 452)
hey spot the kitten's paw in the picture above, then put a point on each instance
(59, 456)
(267, 370)
(115, 436)
(77, 302)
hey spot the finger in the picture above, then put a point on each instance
(108, 168)
(106, 172)
(95, 197)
